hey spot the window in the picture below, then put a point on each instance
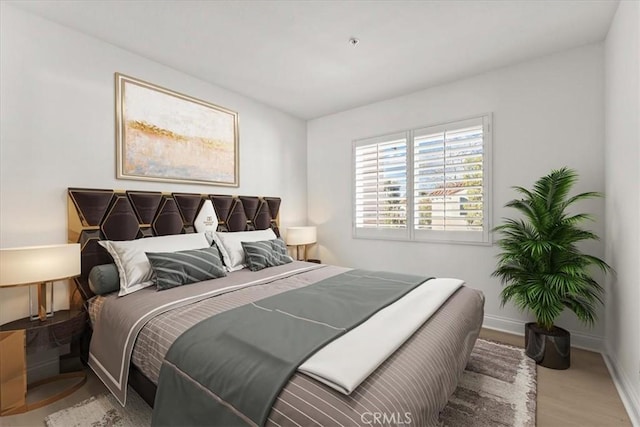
(426, 184)
(381, 186)
(463, 206)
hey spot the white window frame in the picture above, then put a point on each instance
(434, 236)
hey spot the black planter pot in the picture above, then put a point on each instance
(551, 349)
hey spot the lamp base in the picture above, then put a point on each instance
(304, 258)
(41, 308)
(34, 317)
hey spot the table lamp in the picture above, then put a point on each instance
(39, 265)
(301, 236)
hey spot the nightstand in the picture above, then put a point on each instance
(27, 337)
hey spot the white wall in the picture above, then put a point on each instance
(622, 166)
(57, 131)
(547, 113)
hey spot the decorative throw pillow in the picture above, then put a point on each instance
(206, 221)
(173, 269)
(230, 244)
(133, 266)
(104, 279)
(267, 253)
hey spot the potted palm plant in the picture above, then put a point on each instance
(543, 269)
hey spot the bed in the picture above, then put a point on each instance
(411, 386)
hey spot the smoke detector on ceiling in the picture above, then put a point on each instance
(354, 41)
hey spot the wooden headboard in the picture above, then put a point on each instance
(96, 214)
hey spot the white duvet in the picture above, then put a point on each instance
(347, 361)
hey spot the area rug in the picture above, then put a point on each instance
(498, 388)
(103, 411)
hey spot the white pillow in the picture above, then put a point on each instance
(206, 221)
(230, 245)
(133, 265)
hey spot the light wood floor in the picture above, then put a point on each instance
(583, 395)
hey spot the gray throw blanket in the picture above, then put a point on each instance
(229, 369)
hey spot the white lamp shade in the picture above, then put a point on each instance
(301, 235)
(37, 264)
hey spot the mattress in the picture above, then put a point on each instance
(414, 384)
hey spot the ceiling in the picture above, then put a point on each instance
(296, 56)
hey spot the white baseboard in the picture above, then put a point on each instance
(628, 395)
(516, 327)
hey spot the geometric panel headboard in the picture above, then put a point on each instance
(96, 214)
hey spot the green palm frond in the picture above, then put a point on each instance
(540, 266)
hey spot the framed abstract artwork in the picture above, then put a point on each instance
(162, 135)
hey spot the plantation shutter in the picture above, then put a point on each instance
(450, 181)
(381, 186)
(429, 184)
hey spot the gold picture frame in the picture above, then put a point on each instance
(162, 135)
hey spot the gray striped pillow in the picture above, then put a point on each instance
(173, 269)
(266, 253)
